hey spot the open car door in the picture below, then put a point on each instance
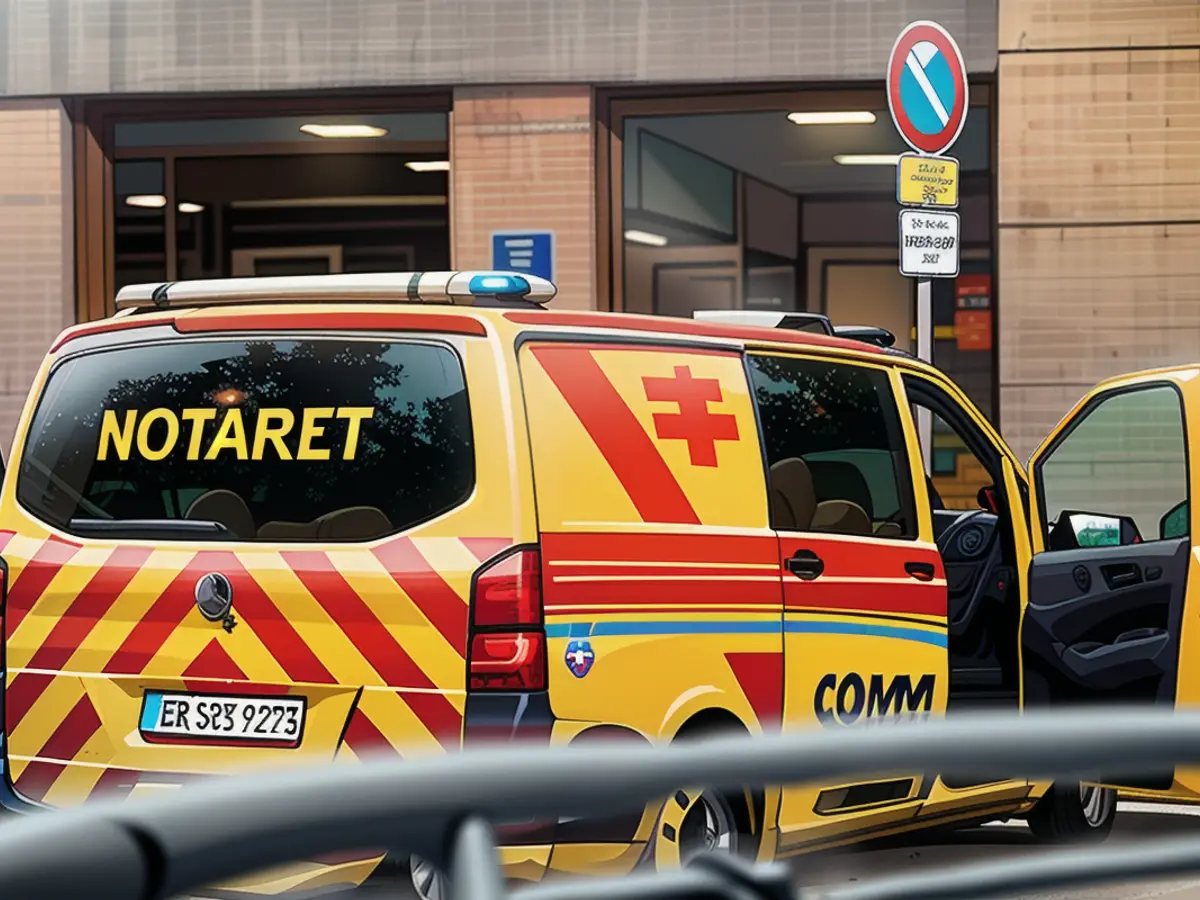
(1111, 527)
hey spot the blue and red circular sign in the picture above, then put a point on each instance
(927, 88)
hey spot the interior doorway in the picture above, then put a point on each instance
(217, 188)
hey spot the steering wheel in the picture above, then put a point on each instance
(971, 538)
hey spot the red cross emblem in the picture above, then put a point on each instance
(693, 423)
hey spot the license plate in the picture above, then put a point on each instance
(178, 718)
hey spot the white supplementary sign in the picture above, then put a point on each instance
(929, 244)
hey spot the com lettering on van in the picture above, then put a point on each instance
(135, 434)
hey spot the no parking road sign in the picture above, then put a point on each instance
(927, 88)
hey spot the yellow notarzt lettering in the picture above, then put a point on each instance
(120, 436)
(197, 417)
(143, 434)
(230, 435)
(265, 431)
(309, 429)
(356, 415)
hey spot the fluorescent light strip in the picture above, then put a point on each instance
(860, 117)
(146, 201)
(436, 165)
(867, 159)
(186, 207)
(343, 131)
(645, 237)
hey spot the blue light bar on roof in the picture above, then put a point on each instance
(506, 285)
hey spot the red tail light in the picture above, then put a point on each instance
(508, 643)
(509, 592)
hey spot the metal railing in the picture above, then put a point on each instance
(444, 810)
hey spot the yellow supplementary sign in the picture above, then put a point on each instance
(930, 181)
(270, 426)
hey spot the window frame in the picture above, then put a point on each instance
(905, 488)
(126, 341)
(1080, 416)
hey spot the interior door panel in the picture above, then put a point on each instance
(1103, 625)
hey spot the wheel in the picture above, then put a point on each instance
(694, 822)
(427, 880)
(1074, 813)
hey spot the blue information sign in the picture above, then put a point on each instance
(524, 251)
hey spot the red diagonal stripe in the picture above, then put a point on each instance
(157, 623)
(214, 662)
(72, 732)
(364, 738)
(251, 603)
(89, 607)
(32, 580)
(427, 589)
(372, 639)
(112, 784)
(37, 778)
(484, 548)
(617, 434)
(5, 537)
(20, 696)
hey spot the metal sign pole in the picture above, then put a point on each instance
(927, 94)
(925, 354)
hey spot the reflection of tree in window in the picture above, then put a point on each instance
(810, 407)
(414, 456)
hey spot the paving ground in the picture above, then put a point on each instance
(1011, 841)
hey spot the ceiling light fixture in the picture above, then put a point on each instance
(429, 165)
(186, 207)
(645, 237)
(343, 131)
(867, 159)
(861, 117)
(146, 201)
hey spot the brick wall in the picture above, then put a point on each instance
(36, 246)
(1098, 199)
(524, 159)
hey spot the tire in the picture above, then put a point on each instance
(694, 821)
(1074, 813)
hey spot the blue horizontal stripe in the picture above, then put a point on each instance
(626, 629)
(936, 638)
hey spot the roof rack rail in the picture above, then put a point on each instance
(476, 288)
(817, 323)
(804, 321)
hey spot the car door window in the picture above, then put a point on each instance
(1119, 474)
(834, 446)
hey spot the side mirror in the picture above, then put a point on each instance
(988, 498)
(1098, 530)
(1174, 523)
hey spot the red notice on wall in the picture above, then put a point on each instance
(973, 312)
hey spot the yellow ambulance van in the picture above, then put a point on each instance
(271, 521)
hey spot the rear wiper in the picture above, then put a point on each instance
(149, 529)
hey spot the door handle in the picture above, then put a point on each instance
(806, 565)
(922, 571)
(1119, 575)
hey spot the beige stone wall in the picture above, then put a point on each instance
(1099, 198)
(37, 281)
(524, 158)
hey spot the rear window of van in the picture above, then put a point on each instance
(269, 440)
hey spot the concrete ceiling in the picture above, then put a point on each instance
(799, 158)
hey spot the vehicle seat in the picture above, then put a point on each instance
(354, 523)
(841, 517)
(793, 500)
(838, 480)
(889, 530)
(225, 507)
(288, 531)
